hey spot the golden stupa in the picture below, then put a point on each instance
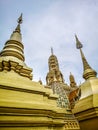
(25, 104)
(30, 105)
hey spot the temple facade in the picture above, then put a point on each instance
(30, 105)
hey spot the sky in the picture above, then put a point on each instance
(53, 23)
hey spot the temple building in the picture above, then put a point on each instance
(29, 105)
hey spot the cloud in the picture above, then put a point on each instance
(53, 24)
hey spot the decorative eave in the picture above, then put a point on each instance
(16, 67)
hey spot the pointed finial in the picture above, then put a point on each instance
(78, 43)
(16, 35)
(40, 81)
(71, 76)
(20, 19)
(72, 80)
(70, 73)
(19, 22)
(51, 50)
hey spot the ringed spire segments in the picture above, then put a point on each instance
(88, 71)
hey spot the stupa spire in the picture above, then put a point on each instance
(14, 47)
(12, 55)
(54, 74)
(16, 35)
(88, 71)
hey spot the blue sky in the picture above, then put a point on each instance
(53, 23)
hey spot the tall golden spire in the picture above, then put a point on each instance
(88, 71)
(54, 74)
(12, 55)
(14, 46)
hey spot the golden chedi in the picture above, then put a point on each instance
(25, 104)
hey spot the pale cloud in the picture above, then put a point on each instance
(54, 24)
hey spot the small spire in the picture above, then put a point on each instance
(16, 35)
(88, 71)
(40, 81)
(51, 50)
(72, 80)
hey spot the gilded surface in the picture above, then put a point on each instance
(25, 104)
